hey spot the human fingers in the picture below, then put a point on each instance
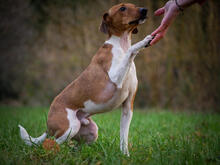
(168, 18)
(159, 12)
(158, 37)
(159, 29)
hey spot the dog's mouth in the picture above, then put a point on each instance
(140, 20)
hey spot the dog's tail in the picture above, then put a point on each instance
(30, 140)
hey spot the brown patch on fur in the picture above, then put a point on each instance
(93, 84)
(51, 145)
(132, 101)
(57, 122)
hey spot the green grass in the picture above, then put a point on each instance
(156, 137)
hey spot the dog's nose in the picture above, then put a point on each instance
(143, 11)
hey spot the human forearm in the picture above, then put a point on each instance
(186, 3)
(170, 11)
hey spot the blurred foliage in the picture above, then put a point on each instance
(47, 44)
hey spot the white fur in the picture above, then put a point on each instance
(123, 72)
(91, 107)
(30, 140)
(84, 121)
(121, 61)
(118, 55)
(132, 52)
(74, 126)
(124, 130)
(141, 21)
(126, 109)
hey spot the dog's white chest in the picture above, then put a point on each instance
(114, 72)
(118, 68)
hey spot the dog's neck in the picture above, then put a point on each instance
(124, 41)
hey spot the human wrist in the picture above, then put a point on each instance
(185, 3)
(174, 7)
(178, 6)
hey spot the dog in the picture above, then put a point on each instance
(109, 81)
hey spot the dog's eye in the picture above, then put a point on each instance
(122, 8)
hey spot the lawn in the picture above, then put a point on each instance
(156, 137)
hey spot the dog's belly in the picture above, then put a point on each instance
(117, 99)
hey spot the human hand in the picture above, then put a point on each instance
(170, 11)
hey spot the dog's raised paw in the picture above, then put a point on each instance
(148, 39)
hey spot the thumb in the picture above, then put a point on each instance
(159, 29)
(159, 12)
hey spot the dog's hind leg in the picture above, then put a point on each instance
(74, 126)
(88, 132)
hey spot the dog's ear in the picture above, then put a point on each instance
(104, 27)
(135, 31)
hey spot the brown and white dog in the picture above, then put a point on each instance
(109, 81)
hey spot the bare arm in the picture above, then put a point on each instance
(170, 11)
(186, 3)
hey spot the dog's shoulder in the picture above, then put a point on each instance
(103, 57)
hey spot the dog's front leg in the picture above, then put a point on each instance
(133, 51)
(118, 74)
(126, 117)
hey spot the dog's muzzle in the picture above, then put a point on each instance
(142, 18)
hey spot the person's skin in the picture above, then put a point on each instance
(170, 11)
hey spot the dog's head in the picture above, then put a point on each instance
(123, 17)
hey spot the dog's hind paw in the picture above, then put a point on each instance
(84, 121)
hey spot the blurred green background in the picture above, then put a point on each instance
(46, 44)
